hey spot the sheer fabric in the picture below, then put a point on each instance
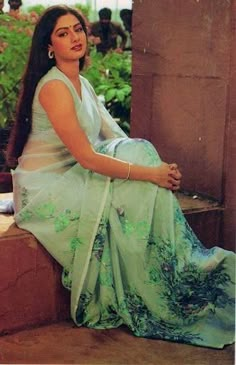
(127, 252)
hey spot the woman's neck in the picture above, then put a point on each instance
(70, 70)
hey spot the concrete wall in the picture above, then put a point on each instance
(229, 176)
(182, 88)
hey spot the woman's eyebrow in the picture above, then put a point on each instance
(69, 26)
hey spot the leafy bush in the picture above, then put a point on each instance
(38, 9)
(84, 9)
(15, 38)
(110, 75)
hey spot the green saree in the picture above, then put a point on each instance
(128, 254)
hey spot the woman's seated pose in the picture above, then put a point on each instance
(102, 204)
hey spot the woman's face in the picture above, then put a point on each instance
(68, 39)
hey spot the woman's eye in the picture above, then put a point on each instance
(63, 34)
(79, 29)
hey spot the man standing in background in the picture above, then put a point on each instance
(104, 33)
(1, 6)
(126, 17)
(14, 7)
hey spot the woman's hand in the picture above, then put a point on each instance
(167, 176)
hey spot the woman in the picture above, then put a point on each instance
(102, 205)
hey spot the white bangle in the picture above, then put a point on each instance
(128, 175)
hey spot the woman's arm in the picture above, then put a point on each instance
(58, 103)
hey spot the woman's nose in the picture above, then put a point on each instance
(74, 36)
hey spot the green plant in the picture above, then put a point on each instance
(38, 9)
(15, 35)
(84, 9)
(110, 76)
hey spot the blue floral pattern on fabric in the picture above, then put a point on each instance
(128, 254)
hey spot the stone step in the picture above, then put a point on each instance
(31, 293)
(205, 216)
(62, 343)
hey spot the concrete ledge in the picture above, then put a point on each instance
(31, 292)
(205, 216)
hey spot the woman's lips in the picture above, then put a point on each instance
(78, 47)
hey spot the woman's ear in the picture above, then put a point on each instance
(50, 48)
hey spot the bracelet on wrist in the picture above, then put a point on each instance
(128, 175)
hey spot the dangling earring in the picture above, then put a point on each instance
(50, 54)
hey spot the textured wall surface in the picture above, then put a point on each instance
(184, 92)
(181, 61)
(229, 177)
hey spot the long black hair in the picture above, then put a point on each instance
(37, 66)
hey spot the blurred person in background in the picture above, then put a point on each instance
(14, 7)
(104, 33)
(15, 12)
(126, 17)
(1, 6)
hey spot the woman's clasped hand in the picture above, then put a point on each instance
(167, 176)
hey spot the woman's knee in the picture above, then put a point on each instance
(139, 151)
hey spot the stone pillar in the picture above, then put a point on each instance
(229, 226)
(181, 61)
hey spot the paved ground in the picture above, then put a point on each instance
(63, 343)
